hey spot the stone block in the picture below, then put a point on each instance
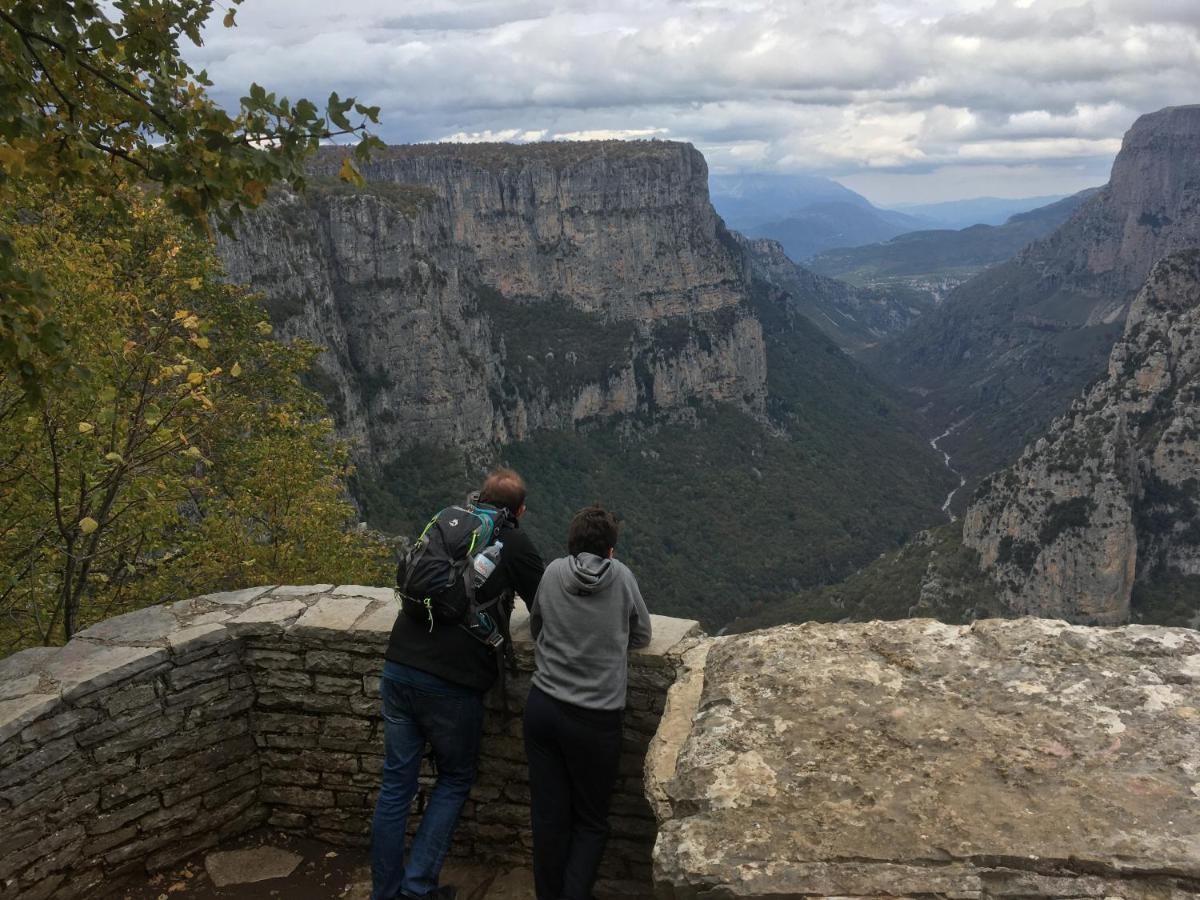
(118, 700)
(220, 708)
(330, 617)
(246, 786)
(303, 702)
(287, 680)
(336, 684)
(150, 731)
(289, 591)
(378, 620)
(17, 714)
(264, 658)
(377, 594)
(106, 729)
(114, 819)
(82, 667)
(143, 627)
(286, 722)
(303, 797)
(265, 618)
(289, 776)
(210, 770)
(234, 731)
(58, 725)
(291, 741)
(99, 844)
(347, 728)
(196, 638)
(19, 686)
(36, 761)
(287, 819)
(202, 692)
(206, 668)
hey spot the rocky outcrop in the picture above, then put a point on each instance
(1112, 491)
(853, 317)
(163, 732)
(1022, 758)
(469, 294)
(1014, 345)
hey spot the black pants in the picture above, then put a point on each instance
(573, 757)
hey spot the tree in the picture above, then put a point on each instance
(88, 100)
(182, 454)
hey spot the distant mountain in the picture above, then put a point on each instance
(804, 213)
(944, 252)
(1009, 349)
(854, 317)
(958, 214)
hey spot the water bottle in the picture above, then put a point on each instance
(485, 562)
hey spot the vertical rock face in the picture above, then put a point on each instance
(1111, 492)
(469, 294)
(1016, 343)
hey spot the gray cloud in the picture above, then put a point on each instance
(1020, 91)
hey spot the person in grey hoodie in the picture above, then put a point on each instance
(587, 614)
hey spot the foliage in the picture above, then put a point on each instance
(180, 454)
(715, 516)
(891, 588)
(1170, 598)
(88, 100)
(1064, 515)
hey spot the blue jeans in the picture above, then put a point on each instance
(420, 708)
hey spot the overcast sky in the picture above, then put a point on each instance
(902, 100)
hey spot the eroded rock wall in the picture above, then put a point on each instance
(1111, 492)
(469, 294)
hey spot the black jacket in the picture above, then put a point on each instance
(448, 651)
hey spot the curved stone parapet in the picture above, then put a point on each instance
(163, 732)
(1009, 758)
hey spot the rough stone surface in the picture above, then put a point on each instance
(1010, 757)
(231, 867)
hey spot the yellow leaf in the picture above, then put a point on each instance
(350, 174)
(191, 323)
(195, 283)
(256, 191)
(115, 458)
(196, 378)
(86, 427)
(201, 342)
(236, 370)
(180, 314)
(228, 21)
(264, 328)
(87, 525)
(193, 452)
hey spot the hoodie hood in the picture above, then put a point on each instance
(587, 573)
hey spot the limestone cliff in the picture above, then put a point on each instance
(1013, 346)
(470, 294)
(1110, 493)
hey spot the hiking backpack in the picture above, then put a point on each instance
(436, 578)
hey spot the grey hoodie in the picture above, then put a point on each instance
(587, 615)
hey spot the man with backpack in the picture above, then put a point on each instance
(445, 652)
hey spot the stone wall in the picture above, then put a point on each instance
(161, 733)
